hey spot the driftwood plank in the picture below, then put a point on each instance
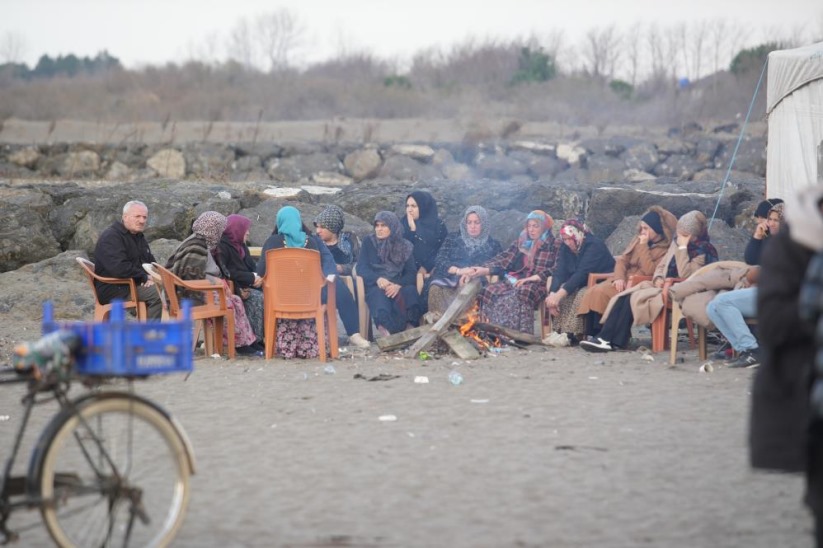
(459, 345)
(399, 340)
(463, 299)
(510, 333)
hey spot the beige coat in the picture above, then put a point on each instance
(636, 259)
(647, 300)
(694, 294)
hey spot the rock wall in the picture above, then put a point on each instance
(59, 197)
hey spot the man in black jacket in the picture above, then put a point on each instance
(120, 252)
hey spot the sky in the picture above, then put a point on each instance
(142, 32)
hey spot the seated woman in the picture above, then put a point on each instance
(344, 246)
(423, 228)
(642, 303)
(387, 267)
(524, 268)
(194, 259)
(470, 246)
(298, 338)
(654, 234)
(234, 255)
(581, 254)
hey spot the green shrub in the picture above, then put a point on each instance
(534, 66)
(622, 89)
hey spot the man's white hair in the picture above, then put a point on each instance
(131, 204)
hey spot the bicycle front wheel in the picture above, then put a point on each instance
(115, 473)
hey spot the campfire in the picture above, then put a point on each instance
(469, 338)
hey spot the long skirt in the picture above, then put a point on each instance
(394, 314)
(441, 297)
(569, 321)
(254, 311)
(297, 339)
(243, 332)
(503, 304)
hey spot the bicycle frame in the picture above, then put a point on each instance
(17, 492)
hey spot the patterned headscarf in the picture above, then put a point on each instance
(236, 228)
(527, 245)
(470, 242)
(290, 226)
(576, 230)
(779, 209)
(395, 250)
(331, 219)
(695, 224)
(210, 225)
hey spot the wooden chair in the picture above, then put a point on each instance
(358, 290)
(102, 311)
(292, 290)
(677, 314)
(158, 285)
(255, 251)
(214, 308)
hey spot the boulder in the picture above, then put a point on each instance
(363, 164)
(82, 163)
(295, 168)
(25, 231)
(25, 157)
(168, 163)
(423, 153)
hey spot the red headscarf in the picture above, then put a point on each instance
(236, 228)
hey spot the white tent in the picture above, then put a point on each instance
(794, 106)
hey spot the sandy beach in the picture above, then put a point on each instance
(542, 447)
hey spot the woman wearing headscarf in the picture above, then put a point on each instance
(654, 235)
(298, 338)
(423, 228)
(387, 267)
(197, 258)
(581, 254)
(344, 246)
(523, 269)
(460, 250)
(642, 303)
(235, 256)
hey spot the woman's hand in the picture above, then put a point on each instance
(392, 290)
(683, 239)
(258, 281)
(410, 219)
(533, 278)
(619, 284)
(658, 282)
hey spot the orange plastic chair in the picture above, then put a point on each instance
(357, 288)
(158, 286)
(102, 311)
(292, 290)
(214, 308)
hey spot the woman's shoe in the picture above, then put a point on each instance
(596, 345)
(358, 341)
(249, 350)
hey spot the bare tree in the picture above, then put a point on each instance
(601, 51)
(12, 47)
(279, 34)
(240, 45)
(207, 51)
(634, 52)
(554, 44)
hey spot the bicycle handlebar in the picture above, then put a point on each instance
(57, 349)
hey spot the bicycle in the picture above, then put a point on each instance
(110, 467)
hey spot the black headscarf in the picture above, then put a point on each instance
(395, 250)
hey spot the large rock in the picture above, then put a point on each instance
(296, 168)
(168, 163)
(25, 232)
(58, 279)
(363, 164)
(25, 157)
(81, 163)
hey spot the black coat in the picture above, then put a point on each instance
(780, 393)
(573, 269)
(120, 254)
(241, 270)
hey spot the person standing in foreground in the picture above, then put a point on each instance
(784, 434)
(120, 252)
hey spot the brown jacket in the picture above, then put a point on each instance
(636, 260)
(694, 294)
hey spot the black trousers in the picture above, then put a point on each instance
(618, 327)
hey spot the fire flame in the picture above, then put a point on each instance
(467, 330)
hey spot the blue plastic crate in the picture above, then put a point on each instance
(129, 348)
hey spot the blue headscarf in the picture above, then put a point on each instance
(290, 226)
